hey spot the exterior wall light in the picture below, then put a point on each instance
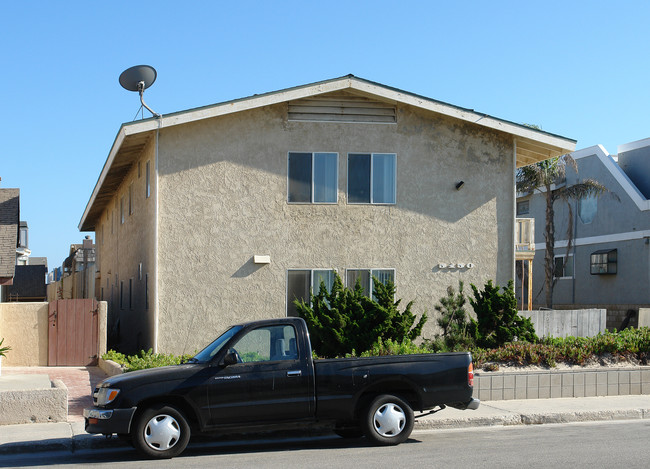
(261, 259)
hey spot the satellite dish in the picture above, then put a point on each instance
(139, 78)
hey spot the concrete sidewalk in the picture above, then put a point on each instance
(71, 436)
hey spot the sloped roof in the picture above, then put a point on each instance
(531, 145)
(9, 220)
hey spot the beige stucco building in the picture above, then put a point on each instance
(225, 213)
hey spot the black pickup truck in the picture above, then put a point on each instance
(260, 376)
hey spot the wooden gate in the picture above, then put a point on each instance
(73, 333)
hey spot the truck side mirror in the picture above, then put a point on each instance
(231, 358)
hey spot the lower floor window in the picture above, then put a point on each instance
(301, 282)
(563, 267)
(365, 278)
(603, 262)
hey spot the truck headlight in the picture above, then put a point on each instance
(106, 396)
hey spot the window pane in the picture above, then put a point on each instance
(358, 178)
(558, 267)
(297, 288)
(587, 209)
(362, 276)
(255, 346)
(325, 169)
(523, 207)
(383, 178)
(299, 177)
(384, 275)
(326, 276)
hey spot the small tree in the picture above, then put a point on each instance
(498, 321)
(458, 329)
(344, 320)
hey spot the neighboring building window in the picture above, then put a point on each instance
(148, 181)
(139, 169)
(112, 221)
(587, 208)
(563, 269)
(372, 178)
(300, 282)
(365, 277)
(122, 210)
(121, 294)
(131, 199)
(130, 293)
(523, 207)
(313, 177)
(146, 291)
(604, 262)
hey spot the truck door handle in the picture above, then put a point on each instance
(294, 373)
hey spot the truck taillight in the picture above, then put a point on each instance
(470, 374)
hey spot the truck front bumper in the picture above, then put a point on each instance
(108, 421)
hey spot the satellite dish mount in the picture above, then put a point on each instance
(139, 78)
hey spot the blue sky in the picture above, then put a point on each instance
(579, 69)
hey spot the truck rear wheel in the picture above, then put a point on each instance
(161, 432)
(388, 420)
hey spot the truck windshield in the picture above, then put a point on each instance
(211, 350)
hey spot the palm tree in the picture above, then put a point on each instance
(545, 177)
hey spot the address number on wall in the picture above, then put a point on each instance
(455, 265)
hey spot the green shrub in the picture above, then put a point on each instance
(345, 319)
(144, 360)
(390, 347)
(497, 318)
(458, 329)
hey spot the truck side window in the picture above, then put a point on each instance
(269, 343)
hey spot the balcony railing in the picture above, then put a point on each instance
(525, 235)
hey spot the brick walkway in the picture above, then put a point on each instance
(80, 382)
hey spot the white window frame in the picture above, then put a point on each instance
(312, 185)
(372, 175)
(573, 266)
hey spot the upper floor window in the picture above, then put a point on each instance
(313, 177)
(148, 181)
(523, 207)
(372, 178)
(587, 209)
(365, 277)
(604, 262)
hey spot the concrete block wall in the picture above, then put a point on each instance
(544, 384)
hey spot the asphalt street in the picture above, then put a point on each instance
(576, 445)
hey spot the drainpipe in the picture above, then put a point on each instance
(156, 314)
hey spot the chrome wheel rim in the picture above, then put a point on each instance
(389, 420)
(162, 432)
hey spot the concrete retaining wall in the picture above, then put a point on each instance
(570, 322)
(543, 384)
(32, 399)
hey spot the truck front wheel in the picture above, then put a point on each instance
(161, 432)
(388, 420)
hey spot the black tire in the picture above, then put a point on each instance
(388, 420)
(161, 432)
(349, 432)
